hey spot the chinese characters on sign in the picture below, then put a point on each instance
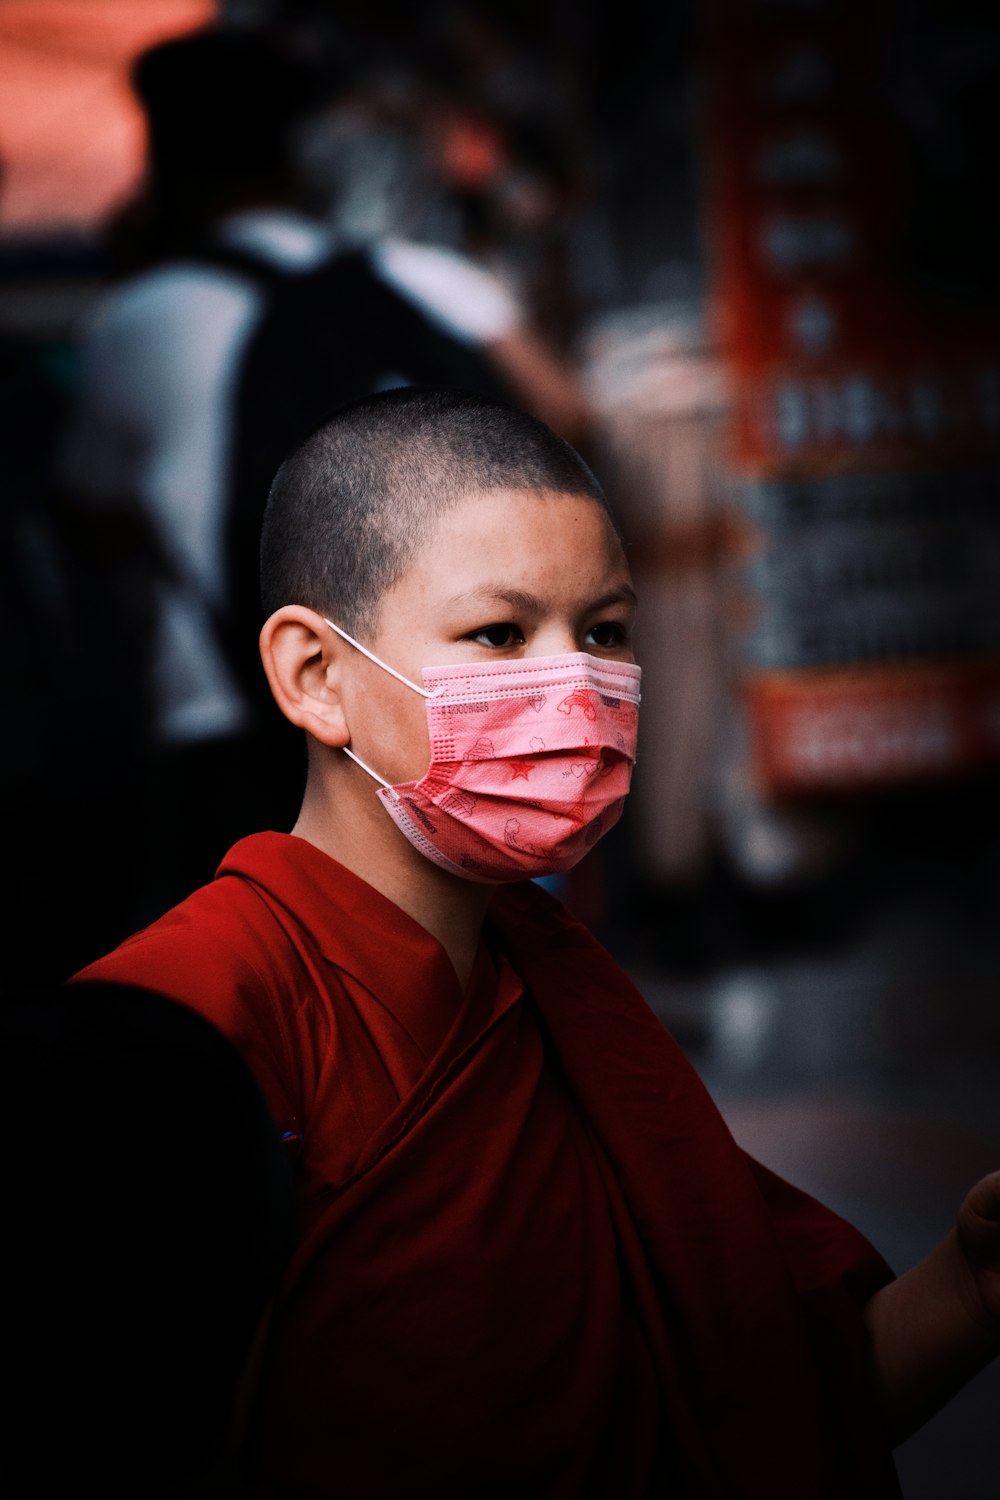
(864, 431)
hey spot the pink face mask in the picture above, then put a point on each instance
(530, 762)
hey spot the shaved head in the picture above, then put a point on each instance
(351, 506)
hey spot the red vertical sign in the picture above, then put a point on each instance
(865, 431)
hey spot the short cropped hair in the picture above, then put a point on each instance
(349, 507)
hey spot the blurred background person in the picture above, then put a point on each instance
(466, 132)
(192, 388)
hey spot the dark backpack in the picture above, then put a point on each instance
(326, 337)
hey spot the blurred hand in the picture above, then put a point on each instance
(977, 1229)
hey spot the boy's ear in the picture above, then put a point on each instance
(301, 658)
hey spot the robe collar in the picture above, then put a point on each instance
(359, 930)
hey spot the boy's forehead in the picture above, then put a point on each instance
(515, 528)
(479, 511)
(533, 549)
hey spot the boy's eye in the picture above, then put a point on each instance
(608, 633)
(499, 636)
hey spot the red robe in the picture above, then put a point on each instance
(530, 1258)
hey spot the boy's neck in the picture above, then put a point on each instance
(449, 908)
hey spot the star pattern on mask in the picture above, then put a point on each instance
(521, 772)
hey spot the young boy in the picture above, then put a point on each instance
(530, 1259)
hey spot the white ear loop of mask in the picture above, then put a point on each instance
(392, 673)
(378, 660)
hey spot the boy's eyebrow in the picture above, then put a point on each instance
(531, 604)
(624, 594)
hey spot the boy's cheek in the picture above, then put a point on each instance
(396, 740)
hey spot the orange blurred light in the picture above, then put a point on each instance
(71, 133)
